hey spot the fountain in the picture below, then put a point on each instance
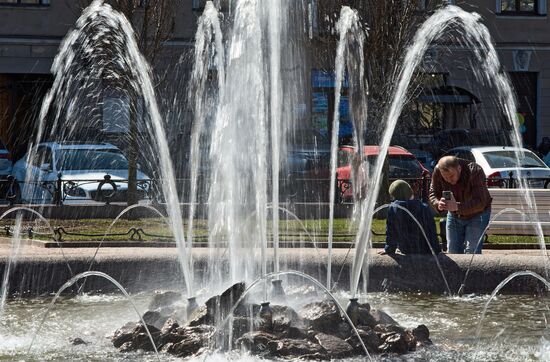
(215, 303)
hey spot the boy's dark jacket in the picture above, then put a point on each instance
(404, 233)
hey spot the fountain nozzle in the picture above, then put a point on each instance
(277, 290)
(191, 306)
(352, 310)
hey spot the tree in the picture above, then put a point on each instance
(153, 22)
(391, 24)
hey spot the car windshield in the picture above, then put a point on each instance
(85, 159)
(403, 167)
(506, 159)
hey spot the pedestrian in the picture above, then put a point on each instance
(410, 236)
(460, 188)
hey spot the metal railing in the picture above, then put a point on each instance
(63, 190)
(107, 190)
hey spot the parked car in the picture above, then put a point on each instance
(403, 165)
(308, 153)
(501, 162)
(82, 167)
(448, 139)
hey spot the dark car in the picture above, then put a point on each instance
(308, 153)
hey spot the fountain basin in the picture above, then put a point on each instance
(514, 329)
(44, 270)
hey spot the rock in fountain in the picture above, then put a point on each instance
(317, 331)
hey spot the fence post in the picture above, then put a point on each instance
(57, 193)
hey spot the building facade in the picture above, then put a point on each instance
(30, 34)
(32, 30)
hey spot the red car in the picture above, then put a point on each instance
(403, 165)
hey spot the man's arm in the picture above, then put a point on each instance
(479, 196)
(435, 189)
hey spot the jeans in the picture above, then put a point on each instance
(463, 236)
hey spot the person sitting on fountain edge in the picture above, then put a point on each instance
(460, 188)
(402, 231)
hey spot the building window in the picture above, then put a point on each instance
(519, 7)
(198, 5)
(25, 2)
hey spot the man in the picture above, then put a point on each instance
(402, 231)
(468, 203)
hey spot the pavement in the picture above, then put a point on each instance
(36, 249)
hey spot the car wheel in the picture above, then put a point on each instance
(547, 184)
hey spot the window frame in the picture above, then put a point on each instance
(518, 12)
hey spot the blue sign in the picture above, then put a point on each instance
(325, 79)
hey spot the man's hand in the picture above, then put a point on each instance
(383, 252)
(451, 205)
(448, 205)
(441, 205)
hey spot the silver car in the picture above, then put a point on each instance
(82, 168)
(503, 165)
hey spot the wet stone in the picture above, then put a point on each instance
(343, 330)
(393, 342)
(186, 347)
(169, 326)
(295, 333)
(411, 340)
(200, 316)
(381, 317)
(77, 341)
(422, 335)
(191, 340)
(388, 328)
(241, 325)
(256, 342)
(335, 347)
(369, 338)
(154, 318)
(123, 335)
(247, 310)
(164, 299)
(140, 337)
(126, 347)
(321, 316)
(287, 347)
(221, 305)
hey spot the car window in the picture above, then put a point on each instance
(43, 155)
(87, 159)
(465, 155)
(505, 159)
(404, 167)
